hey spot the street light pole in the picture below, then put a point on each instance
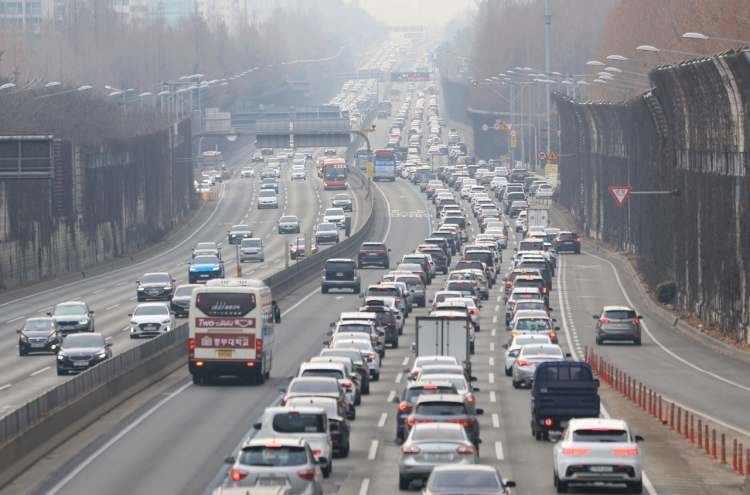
(548, 70)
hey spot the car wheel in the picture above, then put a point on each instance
(471, 349)
(366, 390)
(337, 240)
(516, 384)
(403, 482)
(637, 341)
(133, 336)
(61, 372)
(376, 376)
(262, 260)
(22, 352)
(386, 265)
(324, 290)
(562, 486)
(358, 400)
(599, 341)
(328, 469)
(394, 345)
(508, 371)
(357, 289)
(635, 487)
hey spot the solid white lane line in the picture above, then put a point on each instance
(406, 361)
(40, 371)
(499, 451)
(44, 309)
(364, 486)
(647, 484)
(495, 420)
(373, 450)
(492, 378)
(5, 386)
(383, 418)
(399, 377)
(391, 396)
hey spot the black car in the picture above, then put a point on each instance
(207, 249)
(266, 151)
(327, 232)
(342, 200)
(373, 253)
(410, 395)
(180, 304)
(340, 273)
(80, 352)
(155, 286)
(239, 232)
(38, 335)
(568, 241)
(386, 318)
(73, 317)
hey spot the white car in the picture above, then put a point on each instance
(151, 319)
(512, 350)
(247, 172)
(368, 351)
(596, 450)
(335, 215)
(544, 191)
(499, 235)
(298, 172)
(267, 198)
(422, 361)
(521, 222)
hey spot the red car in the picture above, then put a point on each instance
(297, 249)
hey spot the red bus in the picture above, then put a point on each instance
(334, 174)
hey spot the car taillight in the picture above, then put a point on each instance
(191, 344)
(521, 362)
(603, 320)
(513, 334)
(511, 302)
(341, 401)
(509, 282)
(412, 450)
(404, 406)
(553, 335)
(464, 450)
(577, 239)
(362, 252)
(544, 290)
(382, 252)
(398, 299)
(625, 452)
(307, 475)
(238, 474)
(372, 356)
(411, 421)
(316, 452)
(346, 384)
(258, 348)
(474, 311)
(463, 422)
(576, 451)
(635, 321)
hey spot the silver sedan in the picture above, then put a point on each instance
(512, 350)
(529, 358)
(429, 445)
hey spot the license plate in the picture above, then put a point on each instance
(80, 363)
(204, 276)
(338, 274)
(150, 327)
(37, 345)
(437, 457)
(600, 469)
(620, 326)
(372, 254)
(225, 354)
(272, 482)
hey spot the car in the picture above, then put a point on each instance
(282, 157)
(270, 183)
(268, 172)
(151, 319)
(327, 232)
(155, 286)
(518, 294)
(618, 323)
(450, 408)
(205, 268)
(410, 395)
(357, 358)
(343, 201)
(73, 317)
(336, 216)
(252, 249)
(366, 349)
(39, 335)
(207, 249)
(288, 223)
(521, 222)
(476, 479)
(267, 198)
(180, 302)
(329, 152)
(373, 253)
(528, 359)
(512, 349)
(318, 386)
(430, 445)
(298, 172)
(258, 157)
(272, 461)
(339, 427)
(82, 351)
(297, 249)
(239, 232)
(597, 450)
(266, 151)
(545, 191)
(247, 173)
(340, 273)
(339, 371)
(568, 241)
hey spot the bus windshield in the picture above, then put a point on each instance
(332, 173)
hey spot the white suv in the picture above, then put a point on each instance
(247, 172)
(151, 319)
(267, 198)
(298, 172)
(335, 215)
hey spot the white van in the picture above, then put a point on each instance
(309, 423)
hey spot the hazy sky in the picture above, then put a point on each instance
(408, 11)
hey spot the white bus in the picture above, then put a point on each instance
(231, 330)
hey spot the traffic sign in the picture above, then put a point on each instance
(541, 155)
(513, 133)
(485, 127)
(509, 125)
(620, 193)
(513, 141)
(503, 126)
(496, 126)
(552, 155)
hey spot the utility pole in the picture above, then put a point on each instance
(547, 23)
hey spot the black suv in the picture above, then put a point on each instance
(452, 408)
(568, 241)
(373, 253)
(155, 286)
(340, 273)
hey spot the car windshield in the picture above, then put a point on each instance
(81, 340)
(541, 351)
(440, 434)
(185, 290)
(603, 435)
(205, 260)
(296, 422)
(342, 197)
(70, 309)
(441, 409)
(156, 278)
(241, 228)
(205, 246)
(273, 455)
(39, 325)
(251, 243)
(288, 219)
(268, 193)
(326, 226)
(151, 310)
(333, 212)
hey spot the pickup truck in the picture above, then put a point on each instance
(562, 390)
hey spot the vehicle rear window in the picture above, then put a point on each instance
(566, 374)
(531, 246)
(620, 315)
(340, 266)
(460, 287)
(373, 247)
(567, 237)
(273, 456)
(337, 374)
(413, 393)
(441, 409)
(435, 253)
(479, 256)
(461, 222)
(539, 265)
(600, 435)
(522, 282)
(536, 351)
(410, 281)
(355, 356)
(355, 328)
(299, 423)
(533, 324)
(455, 434)
(530, 305)
(382, 291)
(315, 386)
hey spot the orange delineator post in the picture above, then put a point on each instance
(692, 429)
(700, 433)
(723, 449)
(671, 418)
(661, 418)
(734, 455)
(685, 433)
(708, 448)
(679, 420)
(740, 467)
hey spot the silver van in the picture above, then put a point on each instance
(251, 249)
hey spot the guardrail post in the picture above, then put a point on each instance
(734, 455)
(671, 418)
(707, 449)
(679, 420)
(700, 433)
(740, 466)
(660, 418)
(685, 434)
(692, 429)
(723, 449)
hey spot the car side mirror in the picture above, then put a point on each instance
(276, 312)
(475, 389)
(555, 438)
(479, 412)
(396, 400)
(567, 355)
(49, 314)
(19, 331)
(137, 281)
(597, 382)
(406, 370)
(322, 460)
(640, 317)
(282, 391)
(332, 324)
(229, 460)
(505, 346)
(639, 438)
(108, 344)
(130, 314)
(361, 295)
(414, 348)
(557, 328)
(472, 378)
(257, 426)
(596, 317)
(174, 281)
(91, 312)
(326, 343)
(551, 309)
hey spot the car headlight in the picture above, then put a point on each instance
(52, 336)
(83, 321)
(101, 355)
(165, 322)
(22, 336)
(216, 267)
(167, 287)
(59, 356)
(140, 289)
(192, 268)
